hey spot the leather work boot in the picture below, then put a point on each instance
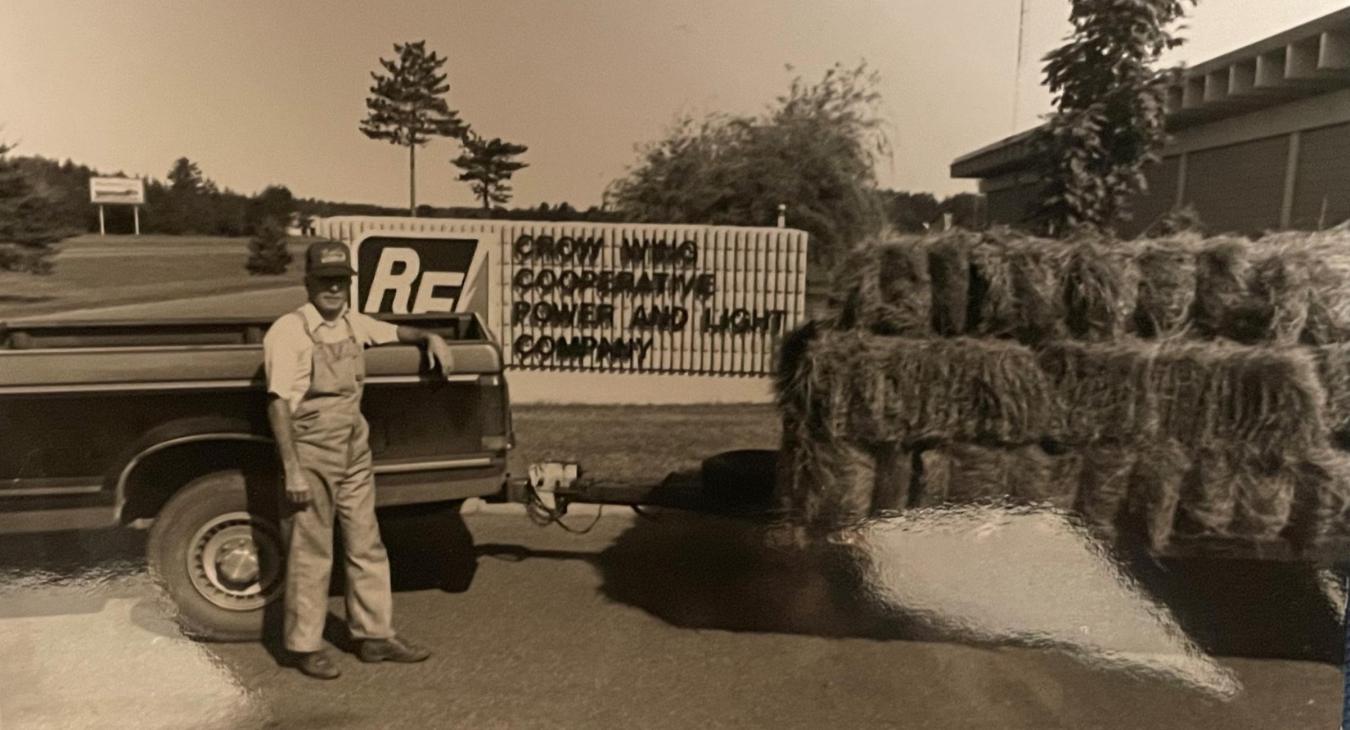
(318, 664)
(392, 649)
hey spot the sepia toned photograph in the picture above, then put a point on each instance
(692, 364)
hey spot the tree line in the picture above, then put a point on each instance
(810, 156)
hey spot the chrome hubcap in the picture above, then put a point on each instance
(235, 562)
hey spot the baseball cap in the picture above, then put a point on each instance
(328, 258)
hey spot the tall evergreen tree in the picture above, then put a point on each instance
(1109, 110)
(185, 177)
(407, 105)
(29, 220)
(487, 165)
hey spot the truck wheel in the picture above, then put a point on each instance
(218, 550)
(743, 478)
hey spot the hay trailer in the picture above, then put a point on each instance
(1189, 395)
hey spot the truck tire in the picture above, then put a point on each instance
(742, 478)
(218, 549)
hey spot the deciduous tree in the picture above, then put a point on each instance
(407, 105)
(814, 151)
(1109, 110)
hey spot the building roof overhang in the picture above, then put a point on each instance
(1310, 59)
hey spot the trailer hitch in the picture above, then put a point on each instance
(733, 483)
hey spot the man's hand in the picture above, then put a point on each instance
(297, 491)
(439, 353)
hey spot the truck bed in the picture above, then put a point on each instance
(86, 408)
(57, 357)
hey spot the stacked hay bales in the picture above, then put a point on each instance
(1181, 385)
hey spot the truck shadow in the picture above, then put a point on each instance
(69, 573)
(712, 573)
(78, 572)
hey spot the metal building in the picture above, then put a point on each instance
(1260, 140)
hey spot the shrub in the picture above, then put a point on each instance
(267, 252)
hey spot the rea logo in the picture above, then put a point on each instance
(416, 275)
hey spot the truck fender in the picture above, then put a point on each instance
(177, 433)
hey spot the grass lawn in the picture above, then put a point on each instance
(638, 442)
(92, 271)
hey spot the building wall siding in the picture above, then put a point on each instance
(1323, 174)
(1148, 207)
(1011, 205)
(1238, 188)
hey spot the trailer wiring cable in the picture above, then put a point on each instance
(543, 515)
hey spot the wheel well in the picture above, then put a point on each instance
(158, 476)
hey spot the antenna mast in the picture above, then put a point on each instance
(1017, 74)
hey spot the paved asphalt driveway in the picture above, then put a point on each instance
(970, 621)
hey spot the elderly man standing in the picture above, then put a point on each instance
(315, 370)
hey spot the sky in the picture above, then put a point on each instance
(261, 92)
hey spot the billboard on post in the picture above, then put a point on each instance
(117, 190)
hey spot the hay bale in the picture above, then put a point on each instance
(1321, 497)
(1264, 494)
(1104, 487)
(1213, 393)
(912, 391)
(1101, 286)
(1329, 294)
(895, 476)
(1167, 284)
(949, 277)
(845, 477)
(885, 289)
(935, 478)
(1333, 370)
(1045, 480)
(1103, 390)
(1037, 268)
(992, 310)
(889, 389)
(1208, 494)
(1016, 287)
(1224, 305)
(1324, 257)
(793, 375)
(964, 473)
(1281, 287)
(789, 472)
(1155, 490)
(825, 484)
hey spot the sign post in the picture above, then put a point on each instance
(117, 191)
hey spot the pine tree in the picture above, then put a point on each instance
(488, 164)
(29, 220)
(267, 252)
(407, 106)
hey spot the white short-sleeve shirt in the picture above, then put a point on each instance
(288, 350)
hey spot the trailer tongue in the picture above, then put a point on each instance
(738, 483)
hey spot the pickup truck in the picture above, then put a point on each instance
(162, 425)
